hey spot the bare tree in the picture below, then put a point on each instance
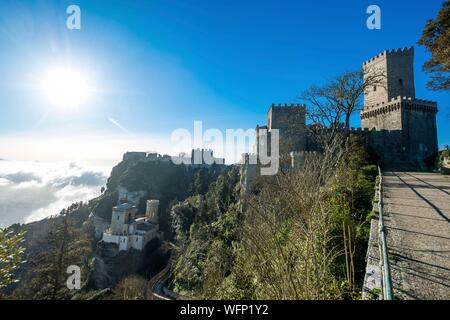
(334, 102)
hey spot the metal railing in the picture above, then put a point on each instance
(384, 257)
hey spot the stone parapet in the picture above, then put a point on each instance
(386, 53)
(396, 104)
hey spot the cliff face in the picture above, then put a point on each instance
(109, 265)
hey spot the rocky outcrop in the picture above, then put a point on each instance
(100, 225)
(131, 197)
(100, 277)
(109, 265)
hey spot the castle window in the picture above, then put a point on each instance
(400, 82)
(117, 217)
(374, 88)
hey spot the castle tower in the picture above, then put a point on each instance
(122, 216)
(290, 120)
(408, 125)
(398, 67)
(151, 214)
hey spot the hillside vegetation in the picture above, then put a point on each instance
(301, 235)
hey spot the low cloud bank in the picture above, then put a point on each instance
(31, 191)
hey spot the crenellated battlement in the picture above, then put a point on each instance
(349, 131)
(396, 104)
(399, 99)
(287, 105)
(344, 130)
(386, 53)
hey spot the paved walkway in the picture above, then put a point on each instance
(417, 207)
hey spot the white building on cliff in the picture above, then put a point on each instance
(130, 232)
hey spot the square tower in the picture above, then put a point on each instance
(286, 116)
(398, 68)
(290, 120)
(122, 216)
(403, 127)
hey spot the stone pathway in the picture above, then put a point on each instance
(417, 209)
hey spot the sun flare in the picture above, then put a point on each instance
(66, 88)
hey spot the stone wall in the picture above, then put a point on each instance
(376, 65)
(420, 131)
(406, 131)
(383, 116)
(372, 286)
(400, 75)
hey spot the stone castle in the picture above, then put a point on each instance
(396, 126)
(408, 124)
(128, 231)
(198, 157)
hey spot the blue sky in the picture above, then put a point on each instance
(161, 65)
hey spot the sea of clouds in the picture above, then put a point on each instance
(31, 191)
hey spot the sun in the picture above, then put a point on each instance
(66, 88)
